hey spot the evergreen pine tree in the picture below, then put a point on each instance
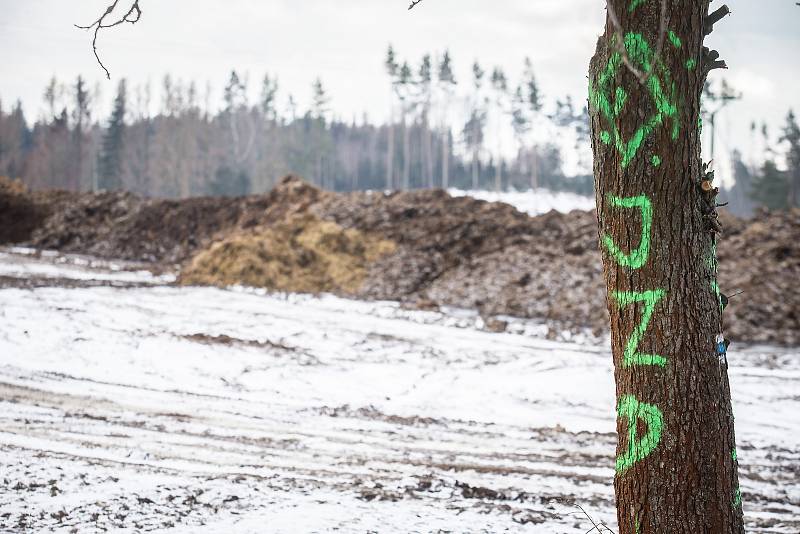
(425, 96)
(473, 130)
(447, 83)
(738, 195)
(791, 135)
(234, 93)
(81, 117)
(110, 161)
(392, 69)
(499, 84)
(770, 187)
(533, 98)
(269, 91)
(319, 101)
(532, 94)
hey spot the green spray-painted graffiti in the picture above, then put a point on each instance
(659, 85)
(609, 100)
(631, 356)
(718, 293)
(711, 258)
(712, 265)
(634, 4)
(737, 493)
(637, 257)
(638, 448)
(674, 39)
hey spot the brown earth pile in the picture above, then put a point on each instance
(19, 215)
(125, 226)
(303, 254)
(421, 247)
(475, 254)
(761, 258)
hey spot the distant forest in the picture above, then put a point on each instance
(442, 132)
(245, 146)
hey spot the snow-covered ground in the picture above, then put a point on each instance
(533, 202)
(29, 264)
(199, 410)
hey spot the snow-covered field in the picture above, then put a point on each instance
(533, 202)
(195, 410)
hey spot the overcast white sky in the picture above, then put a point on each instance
(344, 42)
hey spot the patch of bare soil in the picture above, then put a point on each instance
(424, 248)
(226, 340)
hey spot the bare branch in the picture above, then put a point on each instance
(132, 16)
(663, 21)
(713, 18)
(413, 3)
(600, 527)
(711, 60)
(620, 41)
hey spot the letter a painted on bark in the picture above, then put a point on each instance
(638, 448)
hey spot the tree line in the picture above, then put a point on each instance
(482, 133)
(768, 184)
(193, 146)
(761, 181)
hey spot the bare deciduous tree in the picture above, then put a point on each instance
(132, 15)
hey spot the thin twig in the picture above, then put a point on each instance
(662, 33)
(132, 16)
(413, 3)
(620, 41)
(595, 526)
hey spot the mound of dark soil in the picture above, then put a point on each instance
(19, 214)
(761, 258)
(445, 251)
(475, 254)
(125, 226)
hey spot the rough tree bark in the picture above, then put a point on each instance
(676, 466)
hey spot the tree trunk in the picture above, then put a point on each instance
(390, 154)
(428, 153)
(474, 169)
(446, 159)
(498, 174)
(794, 185)
(676, 466)
(406, 153)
